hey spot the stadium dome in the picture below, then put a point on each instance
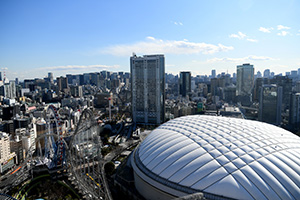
(221, 158)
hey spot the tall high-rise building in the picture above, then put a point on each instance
(270, 103)
(287, 85)
(62, 83)
(258, 74)
(245, 79)
(256, 89)
(148, 89)
(213, 73)
(70, 78)
(8, 90)
(244, 83)
(216, 84)
(267, 73)
(50, 77)
(294, 113)
(185, 83)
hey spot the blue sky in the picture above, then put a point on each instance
(75, 37)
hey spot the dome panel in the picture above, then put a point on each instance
(200, 173)
(160, 151)
(172, 157)
(190, 167)
(229, 187)
(181, 162)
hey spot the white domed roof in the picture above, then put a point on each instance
(227, 157)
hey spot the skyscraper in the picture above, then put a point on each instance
(270, 103)
(50, 77)
(8, 89)
(148, 89)
(267, 73)
(244, 83)
(294, 113)
(62, 83)
(213, 73)
(185, 83)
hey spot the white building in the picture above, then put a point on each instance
(7, 159)
(218, 157)
(148, 88)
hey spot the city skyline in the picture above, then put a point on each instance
(75, 37)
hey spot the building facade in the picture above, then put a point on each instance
(245, 79)
(7, 159)
(185, 83)
(62, 83)
(148, 89)
(244, 83)
(294, 114)
(270, 104)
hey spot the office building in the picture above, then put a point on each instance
(286, 84)
(8, 89)
(258, 74)
(294, 114)
(62, 83)
(213, 73)
(185, 83)
(50, 77)
(256, 89)
(267, 73)
(270, 103)
(148, 89)
(244, 83)
(216, 85)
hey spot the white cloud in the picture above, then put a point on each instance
(150, 38)
(157, 46)
(265, 30)
(281, 27)
(79, 67)
(241, 60)
(177, 23)
(251, 40)
(283, 33)
(240, 35)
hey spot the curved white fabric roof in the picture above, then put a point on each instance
(228, 157)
